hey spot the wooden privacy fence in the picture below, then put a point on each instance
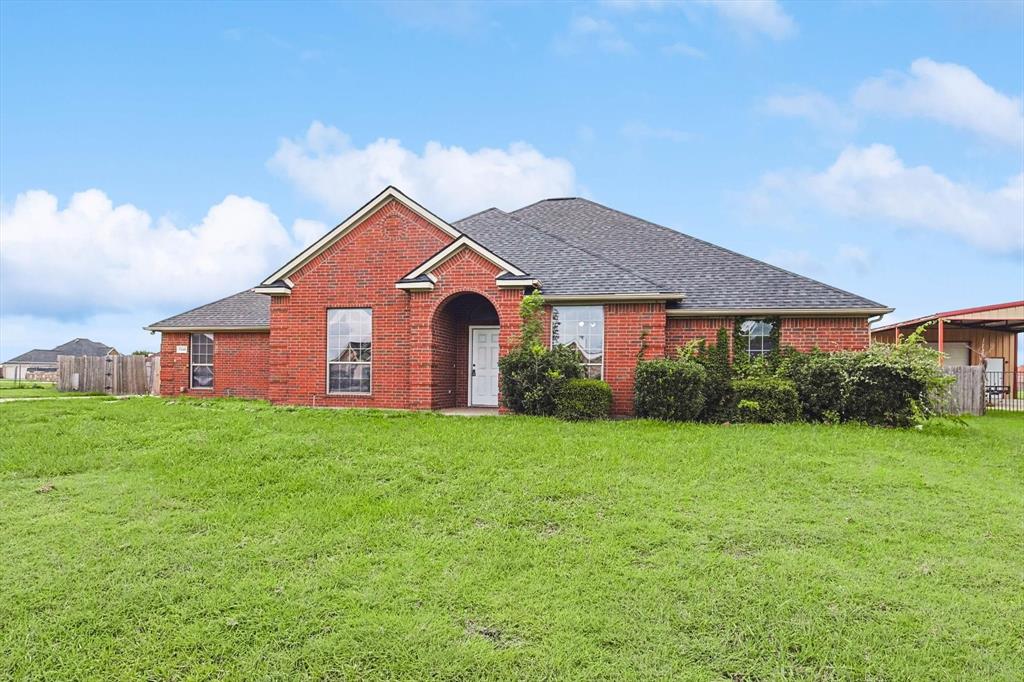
(113, 374)
(967, 395)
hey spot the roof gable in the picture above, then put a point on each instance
(390, 193)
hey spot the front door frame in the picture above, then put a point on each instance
(469, 363)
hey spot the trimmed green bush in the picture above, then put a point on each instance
(583, 400)
(765, 400)
(896, 385)
(670, 389)
(821, 381)
(531, 378)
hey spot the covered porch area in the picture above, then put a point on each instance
(986, 336)
(466, 332)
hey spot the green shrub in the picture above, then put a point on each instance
(821, 381)
(531, 378)
(718, 382)
(896, 385)
(583, 400)
(765, 399)
(670, 389)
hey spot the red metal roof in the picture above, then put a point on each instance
(951, 313)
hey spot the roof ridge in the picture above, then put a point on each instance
(473, 215)
(722, 248)
(586, 251)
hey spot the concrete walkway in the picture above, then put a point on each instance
(470, 411)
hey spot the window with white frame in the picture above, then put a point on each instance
(758, 337)
(582, 327)
(202, 360)
(349, 349)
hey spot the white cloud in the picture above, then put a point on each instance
(638, 131)
(814, 107)
(92, 256)
(948, 93)
(685, 50)
(587, 30)
(756, 16)
(873, 183)
(450, 181)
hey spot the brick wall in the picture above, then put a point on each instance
(825, 333)
(360, 271)
(679, 331)
(357, 271)
(240, 365)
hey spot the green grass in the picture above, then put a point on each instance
(11, 388)
(190, 539)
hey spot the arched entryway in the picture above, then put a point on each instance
(465, 331)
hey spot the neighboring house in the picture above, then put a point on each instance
(41, 365)
(986, 335)
(396, 308)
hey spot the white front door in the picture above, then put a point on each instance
(483, 366)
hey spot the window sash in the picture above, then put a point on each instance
(586, 324)
(758, 335)
(349, 351)
(201, 361)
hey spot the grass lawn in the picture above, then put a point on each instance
(189, 539)
(10, 388)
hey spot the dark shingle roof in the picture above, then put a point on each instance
(36, 355)
(81, 347)
(579, 247)
(77, 347)
(246, 310)
(560, 265)
(710, 276)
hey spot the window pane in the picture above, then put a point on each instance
(582, 328)
(349, 378)
(349, 341)
(758, 334)
(202, 376)
(202, 349)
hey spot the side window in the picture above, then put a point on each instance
(757, 337)
(202, 361)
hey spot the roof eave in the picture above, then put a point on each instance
(207, 328)
(803, 312)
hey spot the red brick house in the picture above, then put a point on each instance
(396, 308)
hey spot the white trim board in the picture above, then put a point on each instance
(319, 246)
(463, 242)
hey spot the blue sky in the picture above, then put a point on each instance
(154, 156)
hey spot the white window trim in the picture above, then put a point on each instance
(192, 363)
(327, 367)
(551, 344)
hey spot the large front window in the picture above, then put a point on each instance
(582, 327)
(349, 341)
(758, 337)
(202, 360)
